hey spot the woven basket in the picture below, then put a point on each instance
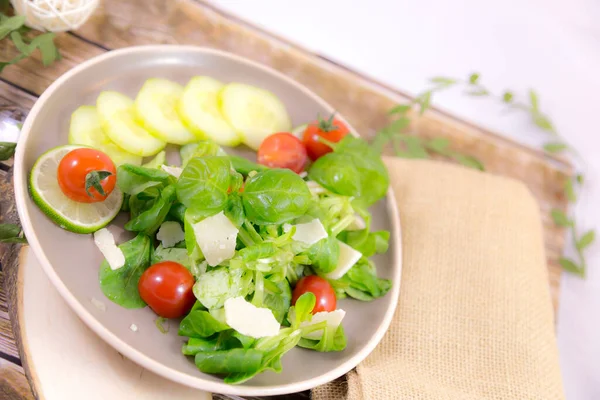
(55, 15)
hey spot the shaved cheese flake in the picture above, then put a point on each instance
(216, 237)
(309, 233)
(106, 243)
(333, 318)
(170, 233)
(250, 320)
(173, 171)
(348, 257)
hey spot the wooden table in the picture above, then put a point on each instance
(121, 23)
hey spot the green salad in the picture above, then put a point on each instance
(265, 207)
(249, 258)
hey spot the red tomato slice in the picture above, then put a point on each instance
(167, 288)
(326, 300)
(86, 175)
(283, 150)
(332, 130)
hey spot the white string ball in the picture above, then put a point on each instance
(54, 15)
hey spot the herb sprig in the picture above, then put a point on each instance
(410, 146)
(13, 28)
(407, 145)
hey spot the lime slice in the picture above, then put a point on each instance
(68, 214)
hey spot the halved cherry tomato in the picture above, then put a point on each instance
(332, 130)
(282, 150)
(86, 175)
(322, 290)
(167, 288)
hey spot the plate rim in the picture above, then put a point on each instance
(21, 195)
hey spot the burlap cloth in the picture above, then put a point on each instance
(474, 320)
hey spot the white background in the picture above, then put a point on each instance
(552, 46)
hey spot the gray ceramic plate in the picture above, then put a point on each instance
(72, 261)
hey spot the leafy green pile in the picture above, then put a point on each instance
(263, 204)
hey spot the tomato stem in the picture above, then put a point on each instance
(93, 179)
(326, 125)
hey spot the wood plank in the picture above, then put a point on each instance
(8, 344)
(13, 383)
(364, 102)
(15, 105)
(31, 75)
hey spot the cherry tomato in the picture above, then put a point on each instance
(282, 150)
(332, 130)
(86, 175)
(167, 288)
(322, 290)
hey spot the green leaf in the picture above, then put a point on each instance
(278, 302)
(160, 325)
(7, 150)
(398, 125)
(587, 239)
(438, 145)
(570, 191)
(400, 109)
(203, 148)
(331, 340)
(150, 219)
(507, 97)
(245, 166)
(542, 121)
(302, 309)
(324, 255)
(533, 100)
(468, 161)
(353, 169)
(478, 92)
(361, 282)
(415, 148)
(275, 196)
(441, 80)
(229, 361)
(46, 45)
(11, 233)
(176, 254)
(570, 266)
(200, 324)
(11, 24)
(560, 218)
(423, 100)
(133, 179)
(555, 147)
(217, 285)
(121, 285)
(579, 178)
(204, 182)
(473, 78)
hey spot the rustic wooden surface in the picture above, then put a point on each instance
(121, 23)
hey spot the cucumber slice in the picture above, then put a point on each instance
(156, 108)
(159, 160)
(86, 130)
(199, 110)
(299, 131)
(117, 116)
(253, 112)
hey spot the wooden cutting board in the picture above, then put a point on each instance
(121, 23)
